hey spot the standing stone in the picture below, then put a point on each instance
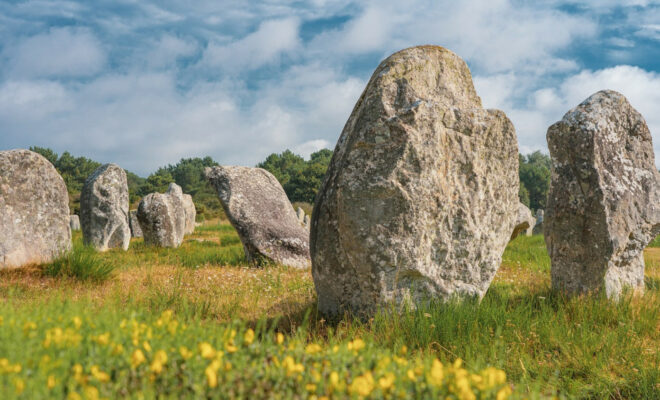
(538, 227)
(604, 199)
(74, 222)
(300, 213)
(420, 197)
(162, 217)
(34, 210)
(104, 209)
(134, 224)
(190, 212)
(258, 208)
(307, 222)
(524, 222)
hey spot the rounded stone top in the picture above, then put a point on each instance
(431, 72)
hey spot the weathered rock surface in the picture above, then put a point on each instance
(421, 195)
(104, 209)
(162, 217)
(538, 227)
(258, 208)
(74, 222)
(34, 210)
(307, 222)
(191, 213)
(134, 224)
(300, 213)
(604, 199)
(525, 222)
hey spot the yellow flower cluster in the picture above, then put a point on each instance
(88, 359)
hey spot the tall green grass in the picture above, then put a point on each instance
(528, 251)
(82, 263)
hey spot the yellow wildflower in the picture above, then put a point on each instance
(117, 349)
(211, 373)
(137, 358)
(73, 396)
(363, 385)
(19, 384)
(356, 345)
(313, 348)
(98, 374)
(29, 326)
(387, 381)
(334, 378)
(411, 375)
(248, 338)
(206, 350)
(503, 393)
(160, 359)
(50, 382)
(146, 346)
(91, 393)
(493, 377)
(171, 327)
(310, 387)
(103, 339)
(291, 366)
(185, 353)
(437, 374)
(77, 322)
(1, 320)
(279, 338)
(230, 347)
(403, 350)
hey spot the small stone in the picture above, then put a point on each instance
(162, 217)
(191, 213)
(134, 223)
(538, 227)
(261, 213)
(104, 209)
(74, 222)
(34, 210)
(300, 213)
(604, 199)
(524, 222)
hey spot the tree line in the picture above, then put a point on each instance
(300, 178)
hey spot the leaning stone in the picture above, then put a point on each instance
(104, 209)
(162, 217)
(604, 199)
(538, 227)
(524, 222)
(34, 210)
(420, 197)
(260, 211)
(191, 214)
(134, 224)
(74, 222)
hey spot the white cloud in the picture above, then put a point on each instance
(271, 40)
(62, 52)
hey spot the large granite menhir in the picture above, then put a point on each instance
(604, 199)
(162, 217)
(421, 195)
(104, 209)
(34, 210)
(258, 208)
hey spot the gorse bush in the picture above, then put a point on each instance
(82, 263)
(82, 355)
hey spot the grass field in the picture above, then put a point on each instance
(198, 322)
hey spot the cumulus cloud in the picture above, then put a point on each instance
(61, 52)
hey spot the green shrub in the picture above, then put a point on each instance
(81, 263)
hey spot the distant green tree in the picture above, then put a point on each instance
(535, 177)
(300, 179)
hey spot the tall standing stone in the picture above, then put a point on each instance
(162, 217)
(524, 222)
(134, 224)
(258, 208)
(104, 209)
(190, 212)
(420, 197)
(34, 210)
(604, 199)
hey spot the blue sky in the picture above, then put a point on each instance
(144, 83)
